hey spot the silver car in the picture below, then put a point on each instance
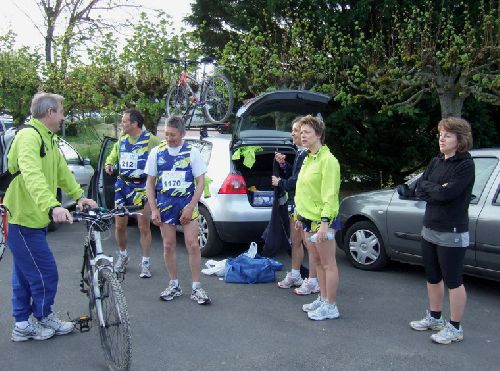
(239, 207)
(79, 166)
(382, 225)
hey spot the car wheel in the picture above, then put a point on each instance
(210, 243)
(364, 246)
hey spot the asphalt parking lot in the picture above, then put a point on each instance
(257, 327)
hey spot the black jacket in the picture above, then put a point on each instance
(289, 183)
(446, 186)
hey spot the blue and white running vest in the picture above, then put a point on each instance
(132, 158)
(175, 175)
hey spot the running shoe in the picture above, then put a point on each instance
(314, 305)
(33, 331)
(308, 287)
(290, 281)
(428, 323)
(60, 327)
(325, 311)
(145, 270)
(121, 263)
(448, 334)
(171, 292)
(200, 296)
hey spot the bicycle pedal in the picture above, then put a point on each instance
(83, 323)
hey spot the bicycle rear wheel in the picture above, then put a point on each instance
(219, 98)
(177, 101)
(115, 335)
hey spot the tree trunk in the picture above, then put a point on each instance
(451, 104)
(448, 89)
(48, 40)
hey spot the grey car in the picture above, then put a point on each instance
(382, 225)
(79, 166)
(239, 206)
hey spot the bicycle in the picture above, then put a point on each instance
(107, 304)
(213, 94)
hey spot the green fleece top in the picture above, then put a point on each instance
(112, 158)
(33, 192)
(318, 184)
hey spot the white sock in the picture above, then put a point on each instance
(175, 282)
(295, 273)
(145, 260)
(196, 285)
(124, 253)
(313, 280)
(22, 324)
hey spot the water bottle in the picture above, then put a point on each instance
(330, 235)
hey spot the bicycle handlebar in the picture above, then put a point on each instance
(102, 214)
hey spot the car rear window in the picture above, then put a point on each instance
(273, 120)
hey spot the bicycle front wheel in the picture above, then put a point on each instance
(219, 98)
(177, 101)
(115, 334)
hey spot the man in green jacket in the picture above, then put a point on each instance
(31, 199)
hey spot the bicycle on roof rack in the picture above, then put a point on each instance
(213, 93)
(107, 304)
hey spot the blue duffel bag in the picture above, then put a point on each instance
(244, 269)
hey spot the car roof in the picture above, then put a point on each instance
(495, 152)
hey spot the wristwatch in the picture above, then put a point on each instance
(325, 219)
(50, 211)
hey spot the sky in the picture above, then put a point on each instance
(22, 16)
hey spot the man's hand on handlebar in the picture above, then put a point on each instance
(82, 202)
(61, 215)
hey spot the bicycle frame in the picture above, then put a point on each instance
(196, 97)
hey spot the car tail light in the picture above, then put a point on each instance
(233, 184)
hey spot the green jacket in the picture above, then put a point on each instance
(33, 192)
(318, 184)
(112, 158)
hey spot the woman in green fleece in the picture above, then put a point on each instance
(317, 205)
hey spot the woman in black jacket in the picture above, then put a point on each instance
(287, 181)
(446, 186)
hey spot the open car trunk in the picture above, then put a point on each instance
(260, 191)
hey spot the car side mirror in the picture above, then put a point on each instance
(86, 161)
(404, 191)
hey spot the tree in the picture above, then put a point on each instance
(80, 18)
(219, 21)
(19, 79)
(448, 48)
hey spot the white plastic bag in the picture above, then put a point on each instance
(214, 267)
(252, 250)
